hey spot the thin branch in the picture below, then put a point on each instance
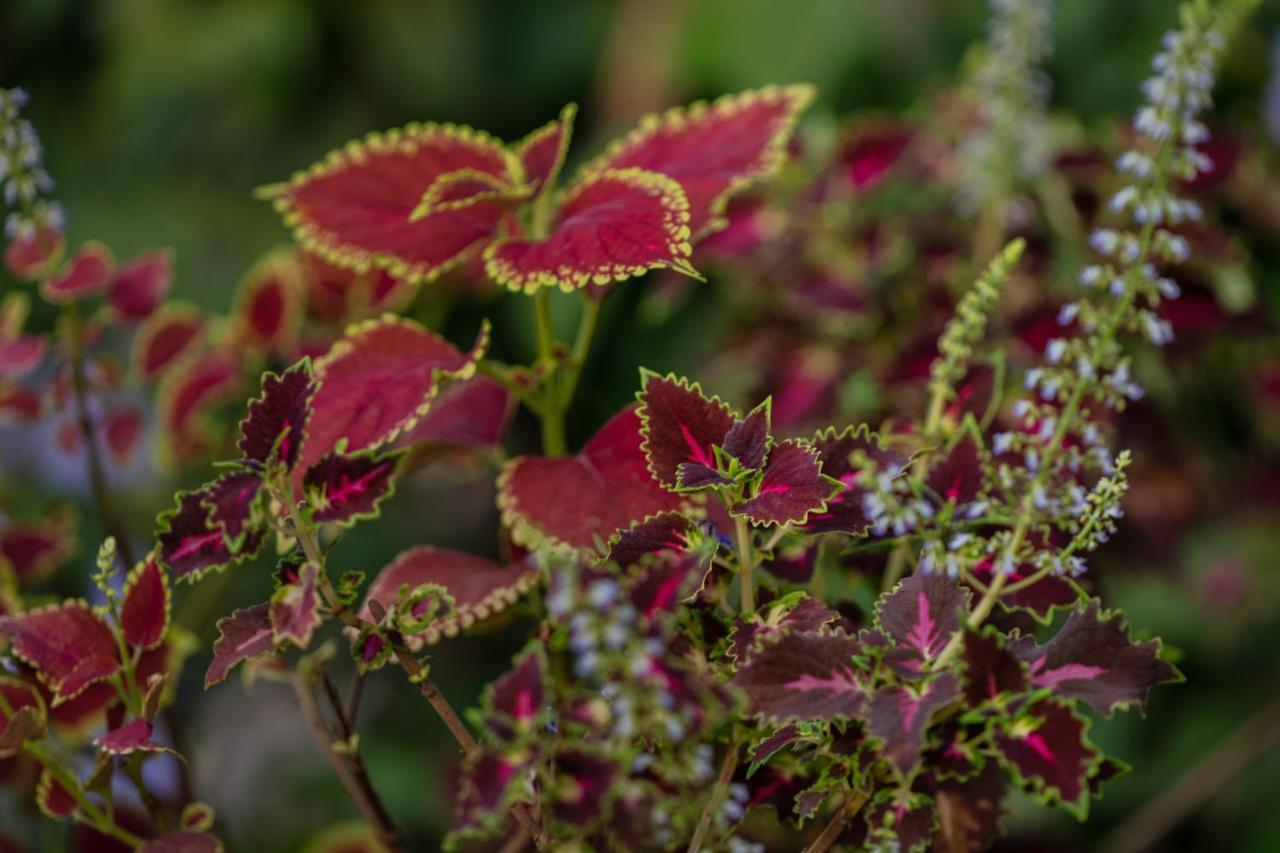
(1199, 784)
(349, 768)
(716, 799)
(354, 697)
(848, 807)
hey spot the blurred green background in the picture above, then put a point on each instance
(161, 116)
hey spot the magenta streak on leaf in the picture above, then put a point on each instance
(1066, 672)
(909, 707)
(922, 632)
(810, 682)
(348, 487)
(193, 544)
(775, 489)
(525, 705)
(699, 455)
(1037, 744)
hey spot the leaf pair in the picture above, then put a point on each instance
(421, 200)
(693, 443)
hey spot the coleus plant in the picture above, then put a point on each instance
(695, 678)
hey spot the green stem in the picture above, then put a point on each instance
(746, 561)
(716, 798)
(581, 346)
(552, 414)
(91, 814)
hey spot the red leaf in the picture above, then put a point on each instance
(712, 150)
(542, 152)
(518, 697)
(20, 356)
(1093, 658)
(164, 338)
(680, 425)
(141, 284)
(957, 477)
(580, 501)
(53, 800)
(586, 780)
(67, 644)
(268, 310)
(806, 614)
(19, 403)
(749, 439)
(234, 504)
(244, 635)
(337, 295)
(899, 716)
(144, 611)
(26, 257)
(275, 427)
(185, 399)
(33, 548)
(16, 727)
(134, 736)
(792, 487)
(472, 414)
(666, 532)
(479, 587)
(1046, 750)
(377, 382)
(354, 208)
(295, 609)
(612, 225)
(990, 670)
(122, 430)
(345, 487)
(804, 676)
(89, 271)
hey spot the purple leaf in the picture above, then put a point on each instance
(803, 676)
(843, 512)
(957, 477)
(793, 486)
(276, 423)
(1046, 750)
(921, 615)
(295, 609)
(990, 669)
(344, 488)
(899, 716)
(748, 441)
(679, 425)
(243, 635)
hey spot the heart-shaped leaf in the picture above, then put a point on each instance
(1046, 750)
(275, 427)
(578, 502)
(611, 226)
(144, 606)
(167, 335)
(141, 285)
(920, 616)
(804, 676)
(793, 486)
(542, 152)
(343, 488)
(680, 425)
(69, 647)
(268, 308)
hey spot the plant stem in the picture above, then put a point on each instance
(746, 579)
(553, 442)
(133, 769)
(716, 797)
(91, 814)
(581, 346)
(349, 769)
(847, 809)
(97, 474)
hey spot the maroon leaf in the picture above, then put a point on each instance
(790, 614)
(517, 696)
(844, 513)
(804, 676)
(69, 647)
(165, 337)
(472, 414)
(712, 150)
(354, 208)
(377, 382)
(141, 284)
(748, 441)
(579, 501)
(969, 812)
(666, 581)
(921, 614)
(691, 476)
(1040, 599)
(680, 425)
(611, 226)
(144, 609)
(957, 477)
(234, 503)
(766, 748)
(191, 543)
(295, 609)
(25, 718)
(793, 486)
(275, 426)
(134, 736)
(542, 152)
(89, 271)
(343, 488)
(899, 716)
(480, 588)
(990, 670)
(583, 781)
(488, 780)
(904, 823)
(244, 635)
(1047, 752)
(666, 532)
(122, 430)
(268, 308)
(1093, 658)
